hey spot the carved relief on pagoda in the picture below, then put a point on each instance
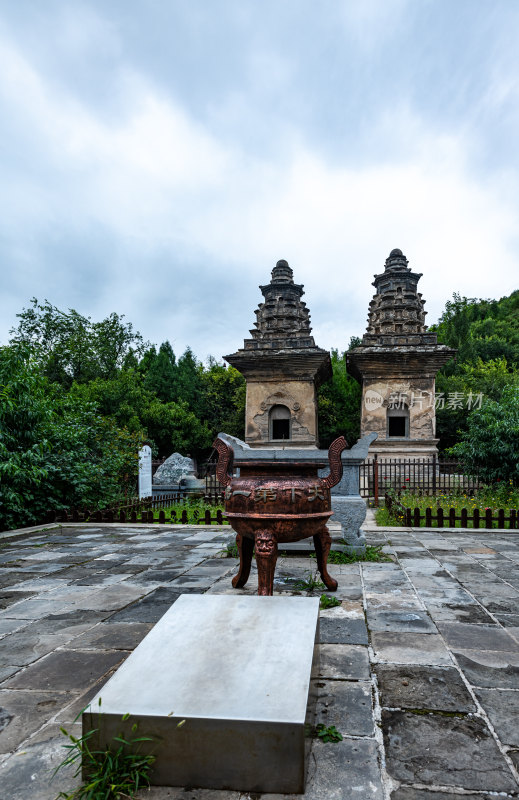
(297, 397)
(413, 398)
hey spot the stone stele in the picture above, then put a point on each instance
(173, 469)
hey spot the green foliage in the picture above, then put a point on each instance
(231, 551)
(502, 494)
(224, 399)
(112, 773)
(339, 404)
(310, 584)
(195, 509)
(56, 451)
(328, 602)
(123, 398)
(328, 734)
(490, 447)
(171, 427)
(470, 380)
(25, 419)
(486, 329)
(385, 519)
(160, 370)
(485, 334)
(372, 553)
(70, 347)
(174, 428)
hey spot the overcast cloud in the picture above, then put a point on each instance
(159, 157)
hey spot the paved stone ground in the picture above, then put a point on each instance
(419, 665)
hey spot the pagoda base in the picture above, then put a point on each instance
(404, 448)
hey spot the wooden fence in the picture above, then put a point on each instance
(424, 475)
(144, 516)
(142, 511)
(413, 518)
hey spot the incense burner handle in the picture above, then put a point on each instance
(224, 468)
(335, 461)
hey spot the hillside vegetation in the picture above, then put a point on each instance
(78, 398)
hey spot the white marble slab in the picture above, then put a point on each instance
(237, 670)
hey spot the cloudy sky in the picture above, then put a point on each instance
(158, 157)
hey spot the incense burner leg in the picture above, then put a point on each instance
(322, 544)
(245, 549)
(266, 557)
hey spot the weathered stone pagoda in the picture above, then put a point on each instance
(282, 367)
(397, 363)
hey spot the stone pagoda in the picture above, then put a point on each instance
(396, 363)
(282, 367)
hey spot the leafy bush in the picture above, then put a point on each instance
(490, 448)
(56, 451)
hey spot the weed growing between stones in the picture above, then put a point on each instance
(328, 734)
(110, 774)
(372, 553)
(310, 584)
(328, 602)
(231, 551)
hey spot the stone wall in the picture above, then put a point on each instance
(298, 396)
(419, 395)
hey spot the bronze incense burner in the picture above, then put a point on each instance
(278, 497)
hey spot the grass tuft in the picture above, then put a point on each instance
(372, 553)
(328, 602)
(310, 584)
(114, 773)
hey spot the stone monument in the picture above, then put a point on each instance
(145, 489)
(173, 470)
(283, 368)
(396, 363)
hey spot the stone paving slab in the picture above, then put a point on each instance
(343, 662)
(419, 665)
(24, 712)
(346, 705)
(426, 688)
(444, 751)
(406, 793)
(408, 621)
(66, 670)
(489, 669)
(502, 707)
(477, 637)
(410, 648)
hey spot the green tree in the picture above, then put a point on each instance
(174, 428)
(161, 372)
(189, 383)
(25, 417)
(339, 404)
(72, 348)
(486, 329)
(56, 451)
(124, 398)
(224, 391)
(131, 406)
(490, 447)
(476, 379)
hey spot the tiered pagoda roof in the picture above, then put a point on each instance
(281, 337)
(396, 331)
